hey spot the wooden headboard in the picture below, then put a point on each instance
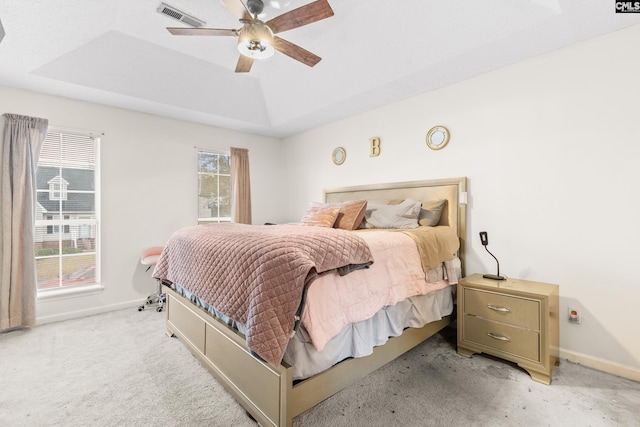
(454, 190)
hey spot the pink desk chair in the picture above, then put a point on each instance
(150, 258)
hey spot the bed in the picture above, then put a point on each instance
(273, 393)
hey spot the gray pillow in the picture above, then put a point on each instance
(403, 215)
(431, 212)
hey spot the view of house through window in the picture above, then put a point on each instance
(66, 237)
(214, 187)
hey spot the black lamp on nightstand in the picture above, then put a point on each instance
(484, 239)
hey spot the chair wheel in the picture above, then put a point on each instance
(141, 308)
(159, 309)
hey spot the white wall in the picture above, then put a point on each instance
(148, 179)
(551, 150)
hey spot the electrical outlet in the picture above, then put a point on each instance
(574, 315)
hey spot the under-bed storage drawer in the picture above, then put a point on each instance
(191, 327)
(244, 372)
(258, 386)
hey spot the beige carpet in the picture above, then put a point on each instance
(120, 369)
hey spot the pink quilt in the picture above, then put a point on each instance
(256, 274)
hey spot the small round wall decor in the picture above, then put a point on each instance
(437, 137)
(339, 155)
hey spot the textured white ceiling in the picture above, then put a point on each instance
(374, 52)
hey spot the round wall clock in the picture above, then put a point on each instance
(437, 137)
(339, 155)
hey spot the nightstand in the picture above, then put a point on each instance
(513, 319)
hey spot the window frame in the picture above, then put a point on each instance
(66, 223)
(218, 219)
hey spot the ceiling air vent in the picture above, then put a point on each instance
(174, 13)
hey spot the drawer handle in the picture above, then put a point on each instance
(500, 309)
(498, 337)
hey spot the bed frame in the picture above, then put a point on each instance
(268, 393)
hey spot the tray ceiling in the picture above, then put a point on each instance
(373, 53)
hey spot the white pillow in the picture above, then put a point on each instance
(403, 215)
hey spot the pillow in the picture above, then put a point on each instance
(431, 212)
(320, 217)
(402, 215)
(351, 213)
(372, 204)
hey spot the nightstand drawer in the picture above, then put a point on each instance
(504, 338)
(503, 308)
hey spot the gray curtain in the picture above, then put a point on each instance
(23, 137)
(240, 185)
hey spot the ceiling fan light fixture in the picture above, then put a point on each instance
(256, 40)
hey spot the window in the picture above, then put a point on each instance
(214, 187)
(66, 233)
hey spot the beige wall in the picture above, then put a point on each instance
(148, 177)
(551, 149)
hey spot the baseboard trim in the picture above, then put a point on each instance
(601, 364)
(86, 312)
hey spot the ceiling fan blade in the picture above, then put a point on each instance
(244, 64)
(303, 15)
(180, 31)
(295, 52)
(237, 9)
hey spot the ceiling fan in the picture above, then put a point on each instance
(256, 39)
